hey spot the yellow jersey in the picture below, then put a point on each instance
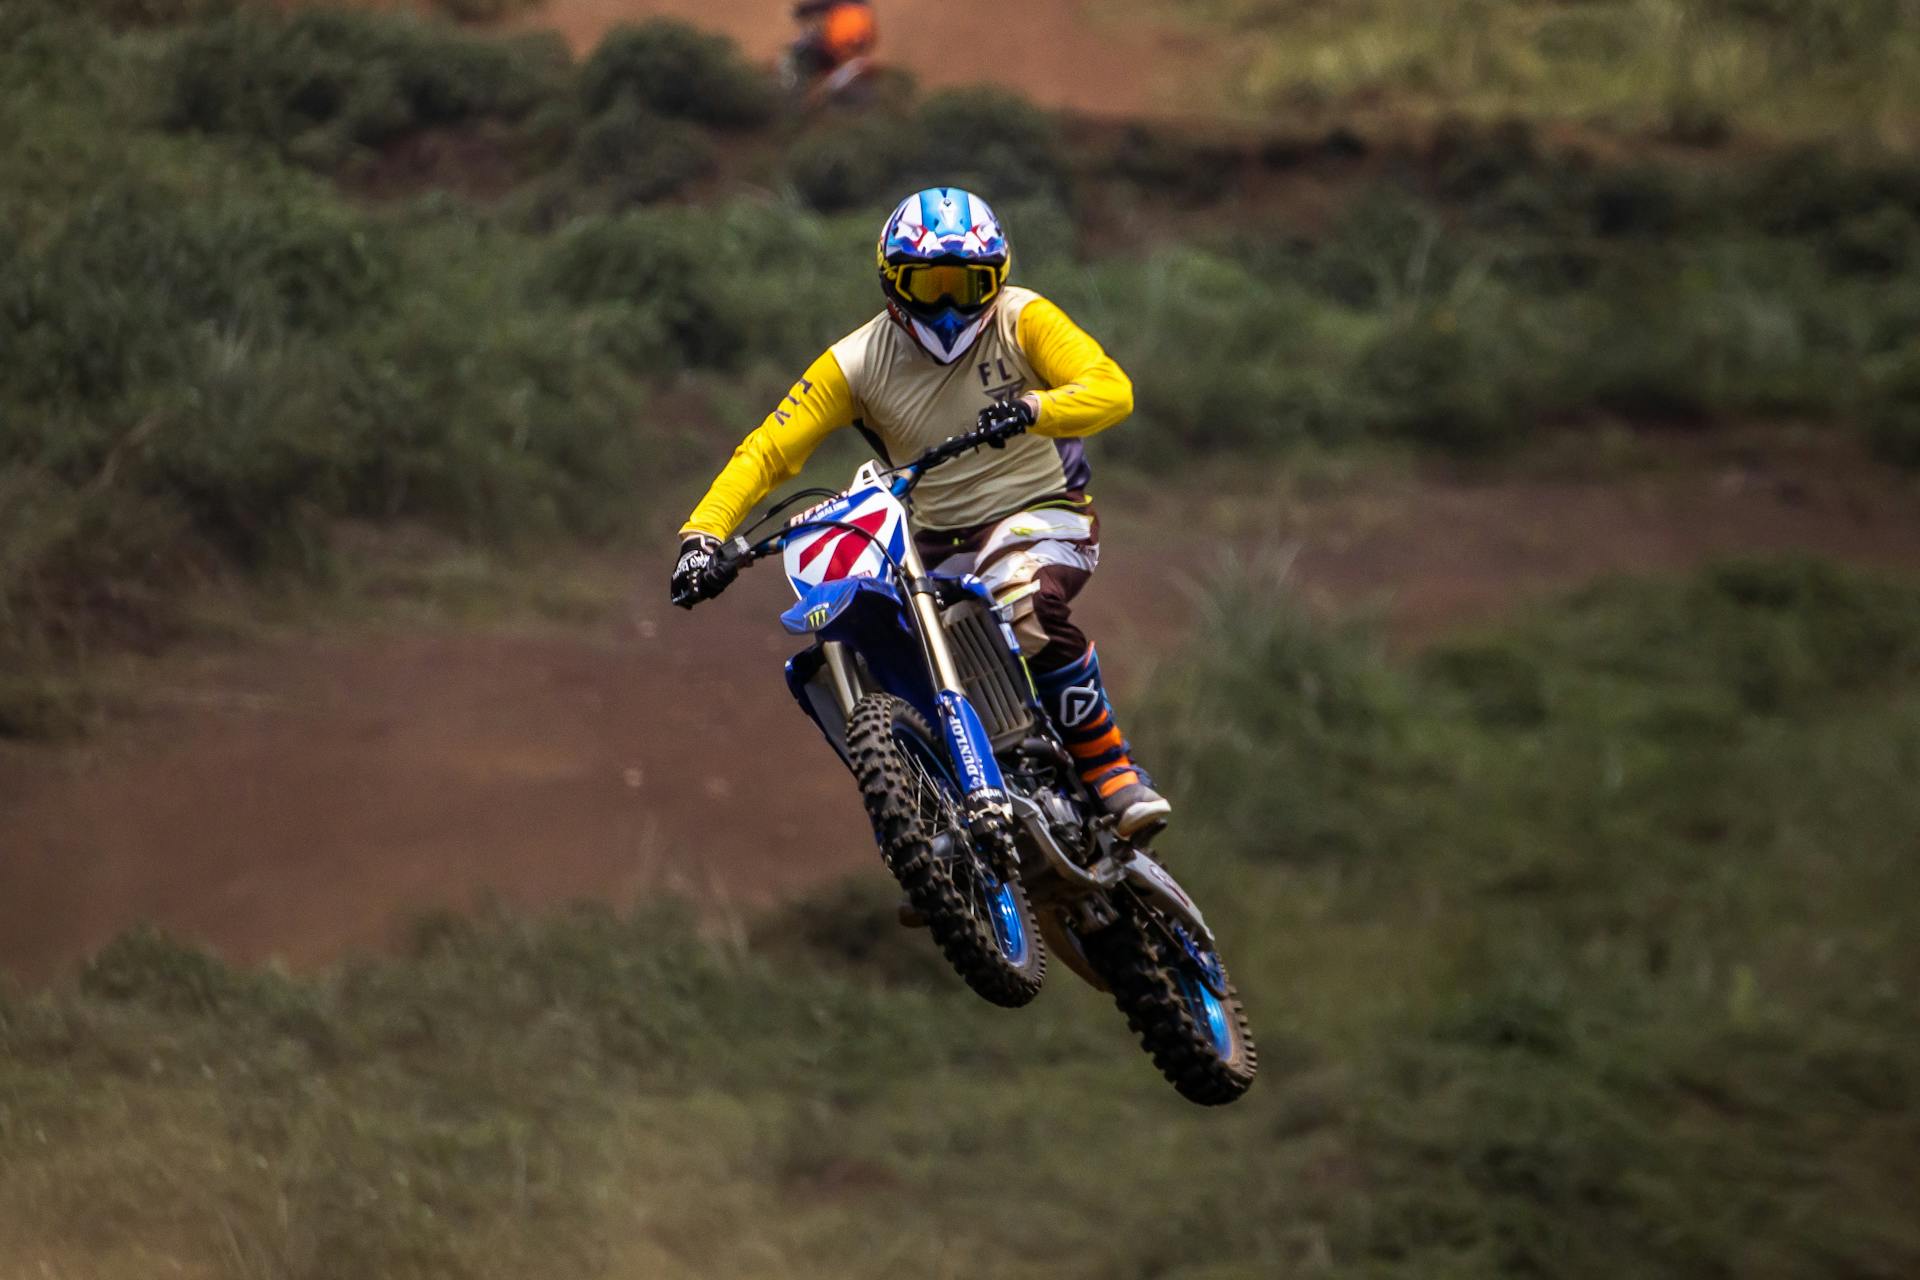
(879, 380)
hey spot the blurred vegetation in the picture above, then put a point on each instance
(1577, 948)
(1697, 70)
(263, 270)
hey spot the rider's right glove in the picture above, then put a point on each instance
(1004, 419)
(700, 573)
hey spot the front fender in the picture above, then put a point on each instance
(1158, 884)
(823, 605)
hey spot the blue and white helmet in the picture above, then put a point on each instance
(943, 262)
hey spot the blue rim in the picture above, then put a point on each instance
(1203, 983)
(1210, 1011)
(1009, 925)
(1009, 928)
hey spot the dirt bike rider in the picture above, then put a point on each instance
(956, 343)
(837, 32)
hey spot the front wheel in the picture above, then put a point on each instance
(983, 923)
(1179, 1001)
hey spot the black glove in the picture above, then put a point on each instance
(1005, 419)
(700, 574)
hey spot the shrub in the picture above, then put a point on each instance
(1186, 169)
(1446, 385)
(669, 263)
(988, 141)
(252, 444)
(640, 157)
(484, 10)
(848, 164)
(985, 140)
(1286, 724)
(1882, 242)
(320, 82)
(1893, 414)
(679, 71)
(154, 13)
(1816, 32)
(118, 290)
(1473, 161)
(1810, 191)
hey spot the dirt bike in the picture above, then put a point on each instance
(917, 682)
(810, 84)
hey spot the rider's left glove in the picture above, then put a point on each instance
(700, 573)
(1004, 419)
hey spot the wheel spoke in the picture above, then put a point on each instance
(913, 799)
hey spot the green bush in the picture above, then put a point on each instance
(320, 82)
(849, 164)
(1893, 414)
(672, 264)
(116, 297)
(484, 10)
(1441, 383)
(1816, 32)
(676, 70)
(1285, 725)
(727, 286)
(639, 157)
(1179, 167)
(984, 140)
(154, 13)
(988, 141)
(1811, 191)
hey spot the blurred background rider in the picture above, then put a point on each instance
(836, 47)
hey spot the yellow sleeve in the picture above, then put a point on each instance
(816, 406)
(1087, 391)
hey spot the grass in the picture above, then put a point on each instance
(1575, 947)
(1699, 71)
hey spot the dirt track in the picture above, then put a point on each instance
(1059, 53)
(298, 798)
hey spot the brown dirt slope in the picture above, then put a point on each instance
(1069, 54)
(298, 798)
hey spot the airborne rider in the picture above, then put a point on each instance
(957, 342)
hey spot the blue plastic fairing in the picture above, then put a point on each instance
(823, 605)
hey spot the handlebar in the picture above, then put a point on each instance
(738, 552)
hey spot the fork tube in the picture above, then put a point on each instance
(926, 611)
(842, 673)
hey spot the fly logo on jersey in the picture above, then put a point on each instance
(851, 545)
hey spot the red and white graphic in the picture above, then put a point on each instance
(861, 526)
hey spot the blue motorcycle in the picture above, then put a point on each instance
(918, 684)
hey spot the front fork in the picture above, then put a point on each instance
(988, 813)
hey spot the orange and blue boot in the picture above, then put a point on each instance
(1076, 698)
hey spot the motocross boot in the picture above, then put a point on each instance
(1076, 698)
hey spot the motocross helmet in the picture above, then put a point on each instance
(943, 263)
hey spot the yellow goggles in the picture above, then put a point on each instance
(965, 286)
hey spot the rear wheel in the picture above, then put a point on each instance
(1179, 1001)
(981, 920)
